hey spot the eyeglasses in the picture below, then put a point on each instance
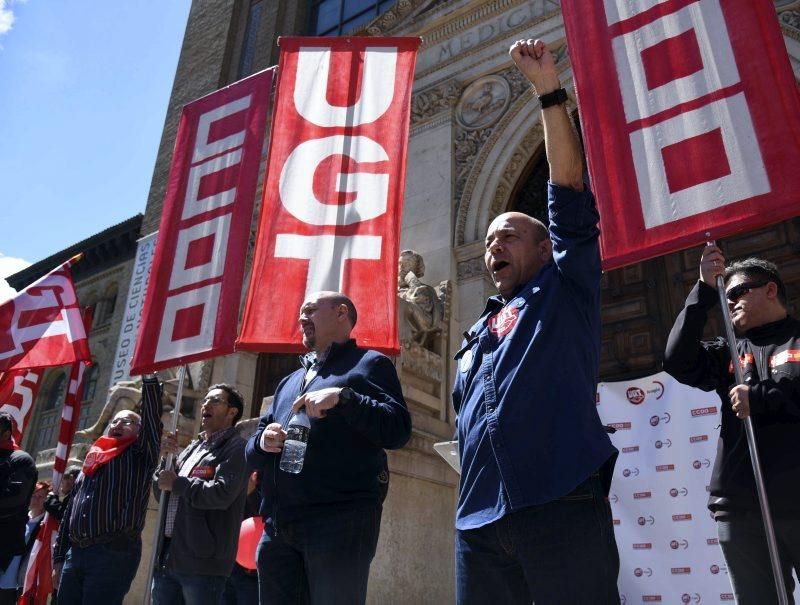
(735, 293)
(123, 421)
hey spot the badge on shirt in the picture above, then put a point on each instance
(502, 323)
(203, 472)
(466, 360)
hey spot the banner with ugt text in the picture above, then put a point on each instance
(691, 118)
(42, 326)
(193, 294)
(333, 192)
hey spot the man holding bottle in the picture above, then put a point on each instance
(322, 504)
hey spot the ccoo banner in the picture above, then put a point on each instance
(691, 118)
(193, 295)
(333, 192)
(667, 539)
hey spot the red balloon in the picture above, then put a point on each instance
(249, 537)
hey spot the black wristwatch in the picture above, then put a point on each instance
(346, 395)
(557, 97)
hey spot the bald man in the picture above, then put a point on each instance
(321, 525)
(533, 522)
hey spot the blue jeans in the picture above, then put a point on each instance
(101, 573)
(744, 545)
(172, 588)
(560, 552)
(320, 560)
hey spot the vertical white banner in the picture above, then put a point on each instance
(134, 303)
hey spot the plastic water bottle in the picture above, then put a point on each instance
(294, 448)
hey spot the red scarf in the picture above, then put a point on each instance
(104, 451)
(10, 445)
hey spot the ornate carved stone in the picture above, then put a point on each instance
(393, 16)
(426, 309)
(483, 102)
(433, 101)
(421, 362)
(791, 19)
(467, 269)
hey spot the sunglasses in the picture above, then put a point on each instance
(735, 293)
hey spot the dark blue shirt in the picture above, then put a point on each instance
(526, 379)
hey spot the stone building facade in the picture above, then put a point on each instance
(475, 150)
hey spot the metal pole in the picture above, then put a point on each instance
(772, 544)
(162, 501)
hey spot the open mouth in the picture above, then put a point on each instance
(499, 265)
(206, 415)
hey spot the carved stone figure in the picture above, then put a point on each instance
(426, 311)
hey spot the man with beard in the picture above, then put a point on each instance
(768, 344)
(99, 541)
(322, 525)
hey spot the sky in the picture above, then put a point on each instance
(84, 87)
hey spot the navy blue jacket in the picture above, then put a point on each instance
(345, 448)
(526, 381)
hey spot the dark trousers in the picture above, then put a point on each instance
(322, 560)
(172, 588)
(241, 587)
(560, 552)
(101, 573)
(744, 544)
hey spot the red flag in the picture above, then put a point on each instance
(194, 291)
(691, 118)
(18, 390)
(41, 326)
(38, 577)
(333, 191)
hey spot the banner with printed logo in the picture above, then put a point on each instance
(691, 119)
(667, 437)
(333, 192)
(42, 326)
(192, 305)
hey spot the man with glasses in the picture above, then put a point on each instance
(768, 341)
(99, 542)
(204, 508)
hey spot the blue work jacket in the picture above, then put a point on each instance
(526, 379)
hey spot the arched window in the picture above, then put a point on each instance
(49, 403)
(337, 17)
(56, 391)
(90, 383)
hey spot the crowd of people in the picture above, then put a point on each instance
(536, 461)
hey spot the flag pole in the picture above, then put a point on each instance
(162, 501)
(769, 529)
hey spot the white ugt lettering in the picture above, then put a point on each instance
(297, 191)
(26, 394)
(311, 85)
(326, 255)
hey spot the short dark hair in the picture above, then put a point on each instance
(6, 422)
(760, 269)
(235, 399)
(341, 299)
(73, 470)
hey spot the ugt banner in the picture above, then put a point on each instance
(18, 390)
(42, 326)
(192, 303)
(333, 192)
(691, 118)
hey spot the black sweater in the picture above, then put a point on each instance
(770, 360)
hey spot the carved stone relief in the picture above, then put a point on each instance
(483, 103)
(427, 308)
(434, 101)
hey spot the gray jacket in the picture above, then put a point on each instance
(206, 531)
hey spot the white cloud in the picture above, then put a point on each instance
(6, 17)
(8, 266)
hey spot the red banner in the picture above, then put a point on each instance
(193, 296)
(18, 390)
(333, 193)
(41, 326)
(691, 118)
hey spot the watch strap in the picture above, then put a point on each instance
(556, 97)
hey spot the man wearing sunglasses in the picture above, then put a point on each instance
(768, 341)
